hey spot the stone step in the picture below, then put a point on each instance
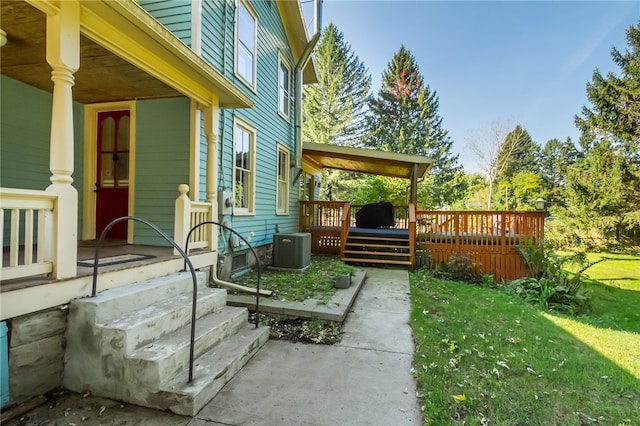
(133, 343)
(211, 372)
(94, 354)
(113, 303)
(154, 364)
(137, 328)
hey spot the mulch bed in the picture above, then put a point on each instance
(301, 330)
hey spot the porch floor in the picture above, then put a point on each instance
(86, 254)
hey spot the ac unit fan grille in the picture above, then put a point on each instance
(292, 250)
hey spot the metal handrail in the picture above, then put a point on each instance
(186, 260)
(211, 222)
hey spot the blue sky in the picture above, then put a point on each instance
(515, 62)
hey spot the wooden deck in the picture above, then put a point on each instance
(489, 238)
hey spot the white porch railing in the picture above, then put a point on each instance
(189, 214)
(30, 242)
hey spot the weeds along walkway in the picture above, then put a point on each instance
(336, 309)
(365, 379)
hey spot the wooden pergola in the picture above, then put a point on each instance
(317, 156)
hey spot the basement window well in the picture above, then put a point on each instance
(239, 264)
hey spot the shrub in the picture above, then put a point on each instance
(460, 267)
(547, 295)
(560, 234)
(551, 286)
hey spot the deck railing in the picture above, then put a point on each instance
(30, 224)
(490, 238)
(400, 213)
(328, 222)
(323, 220)
(187, 216)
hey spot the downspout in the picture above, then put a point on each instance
(308, 50)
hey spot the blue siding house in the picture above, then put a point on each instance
(174, 112)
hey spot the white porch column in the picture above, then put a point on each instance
(211, 126)
(63, 55)
(211, 122)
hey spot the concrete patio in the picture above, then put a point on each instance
(363, 380)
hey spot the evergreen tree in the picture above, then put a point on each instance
(518, 153)
(603, 191)
(404, 118)
(616, 101)
(603, 185)
(334, 108)
(556, 158)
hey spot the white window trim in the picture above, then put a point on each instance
(237, 211)
(283, 61)
(287, 153)
(254, 15)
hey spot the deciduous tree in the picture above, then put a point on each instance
(494, 146)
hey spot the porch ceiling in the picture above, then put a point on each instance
(104, 76)
(323, 156)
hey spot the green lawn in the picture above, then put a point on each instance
(315, 282)
(483, 357)
(615, 288)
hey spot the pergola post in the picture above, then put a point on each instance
(413, 196)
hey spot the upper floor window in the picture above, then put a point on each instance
(246, 26)
(282, 188)
(244, 137)
(284, 87)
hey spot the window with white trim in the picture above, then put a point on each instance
(244, 140)
(284, 87)
(282, 186)
(246, 26)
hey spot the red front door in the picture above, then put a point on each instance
(113, 172)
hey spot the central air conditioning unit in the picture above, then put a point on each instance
(292, 251)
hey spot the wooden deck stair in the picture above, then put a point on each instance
(372, 249)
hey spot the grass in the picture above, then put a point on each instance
(484, 357)
(615, 288)
(317, 282)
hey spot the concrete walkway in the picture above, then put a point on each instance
(364, 380)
